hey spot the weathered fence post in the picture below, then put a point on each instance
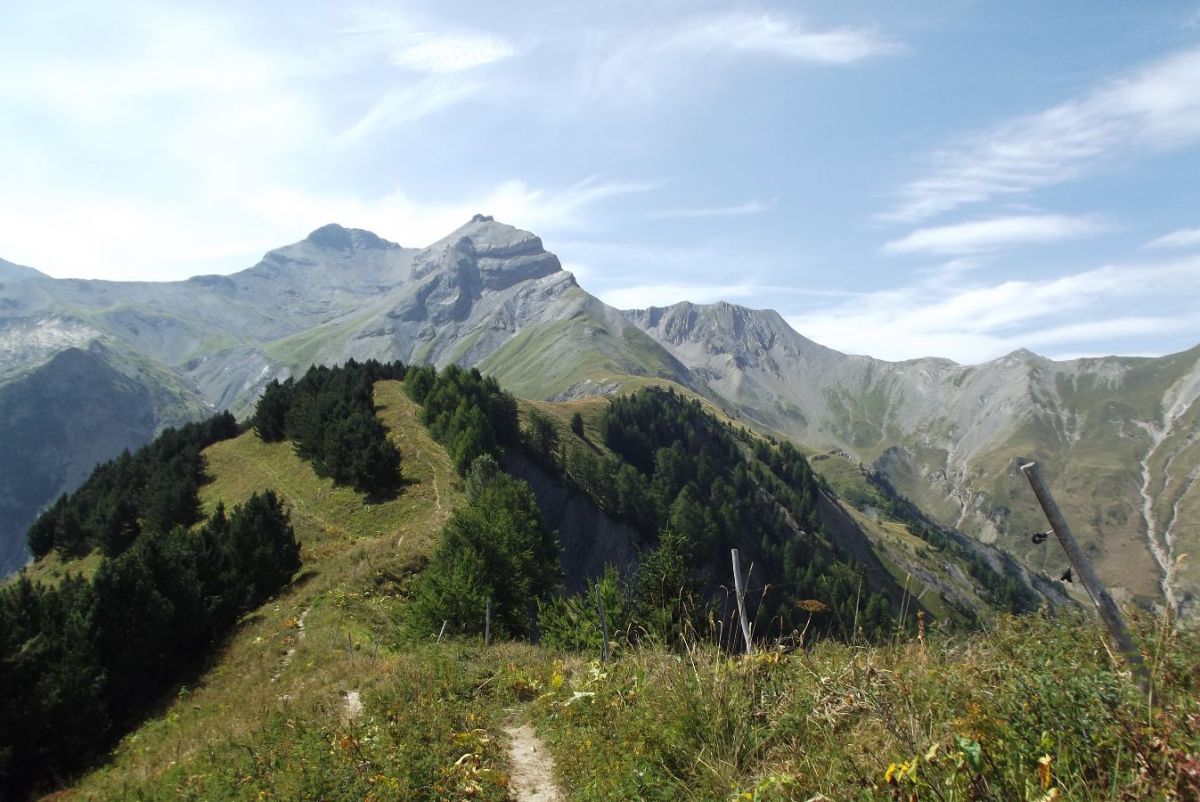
(487, 623)
(603, 622)
(1107, 608)
(740, 592)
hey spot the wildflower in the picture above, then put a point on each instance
(1044, 763)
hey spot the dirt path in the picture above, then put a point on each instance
(532, 778)
(353, 706)
(286, 660)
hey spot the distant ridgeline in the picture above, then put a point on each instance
(82, 662)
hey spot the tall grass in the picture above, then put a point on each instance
(1032, 710)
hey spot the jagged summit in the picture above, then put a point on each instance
(336, 237)
(722, 327)
(492, 239)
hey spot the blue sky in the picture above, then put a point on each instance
(956, 179)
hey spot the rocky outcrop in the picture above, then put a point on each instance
(590, 540)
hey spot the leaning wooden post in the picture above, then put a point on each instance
(1107, 608)
(603, 622)
(487, 624)
(739, 592)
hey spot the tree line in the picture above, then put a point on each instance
(329, 416)
(152, 490)
(465, 411)
(83, 662)
(1004, 591)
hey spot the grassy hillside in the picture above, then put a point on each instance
(328, 635)
(584, 350)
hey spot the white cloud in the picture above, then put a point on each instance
(411, 44)
(978, 322)
(1184, 238)
(417, 222)
(1155, 108)
(779, 36)
(981, 236)
(638, 66)
(454, 53)
(131, 239)
(410, 104)
(738, 210)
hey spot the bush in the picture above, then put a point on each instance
(493, 548)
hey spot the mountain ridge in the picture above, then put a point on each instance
(1111, 432)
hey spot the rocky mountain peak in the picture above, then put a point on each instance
(499, 254)
(492, 239)
(721, 327)
(335, 237)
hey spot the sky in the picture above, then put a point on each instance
(956, 178)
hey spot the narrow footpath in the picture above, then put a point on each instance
(532, 778)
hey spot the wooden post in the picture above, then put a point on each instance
(442, 631)
(1105, 605)
(739, 592)
(487, 624)
(603, 622)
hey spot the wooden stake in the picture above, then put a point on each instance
(487, 623)
(442, 631)
(1105, 605)
(741, 601)
(603, 622)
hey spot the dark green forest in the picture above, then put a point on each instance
(465, 411)
(329, 415)
(83, 662)
(717, 488)
(152, 490)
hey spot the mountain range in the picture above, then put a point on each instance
(88, 368)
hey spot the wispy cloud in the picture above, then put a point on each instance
(1157, 107)
(701, 212)
(639, 66)
(981, 321)
(417, 222)
(1183, 238)
(411, 104)
(426, 47)
(780, 36)
(996, 233)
